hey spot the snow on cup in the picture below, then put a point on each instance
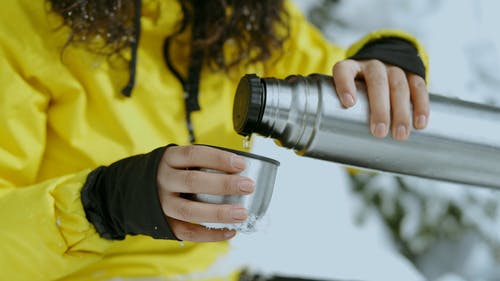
(263, 171)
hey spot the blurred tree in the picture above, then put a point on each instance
(441, 228)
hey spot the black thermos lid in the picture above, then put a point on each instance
(249, 103)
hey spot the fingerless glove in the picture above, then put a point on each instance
(123, 198)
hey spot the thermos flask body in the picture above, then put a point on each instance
(461, 143)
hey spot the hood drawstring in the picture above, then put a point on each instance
(127, 90)
(191, 84)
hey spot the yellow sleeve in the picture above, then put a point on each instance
(307, 51)
(44, 233)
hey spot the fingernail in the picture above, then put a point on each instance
(229, 234)
(246, 186)
(348, 99)
(401, 132)
(238, 162)
(421, 121)
(379, 130)
(239, 214)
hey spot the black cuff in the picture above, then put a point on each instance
(123, 198)
(394, 51)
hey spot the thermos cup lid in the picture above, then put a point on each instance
(249, 103)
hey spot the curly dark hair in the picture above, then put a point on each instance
(256, 27)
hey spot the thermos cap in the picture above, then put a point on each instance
(249, 103)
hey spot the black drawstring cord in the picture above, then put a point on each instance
(170, 65)
(189, 85)
(127, 90)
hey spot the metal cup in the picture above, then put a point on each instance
(263, 171)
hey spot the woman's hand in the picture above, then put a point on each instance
(179, 173)
(391, 94)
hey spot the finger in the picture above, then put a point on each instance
(198, 233)
(420, 100)
(344, 73)
(400, 103)
(198, 212)
(201, 156)
(375, 75)
(195, 181)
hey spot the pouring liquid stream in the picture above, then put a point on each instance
(246, 141)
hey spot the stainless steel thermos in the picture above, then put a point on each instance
(461, 143)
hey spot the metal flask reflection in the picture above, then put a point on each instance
(263, 171)
(461, 143)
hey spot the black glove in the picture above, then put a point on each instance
(395, 51)
(123, 198)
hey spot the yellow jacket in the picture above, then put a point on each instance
(62, 118)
